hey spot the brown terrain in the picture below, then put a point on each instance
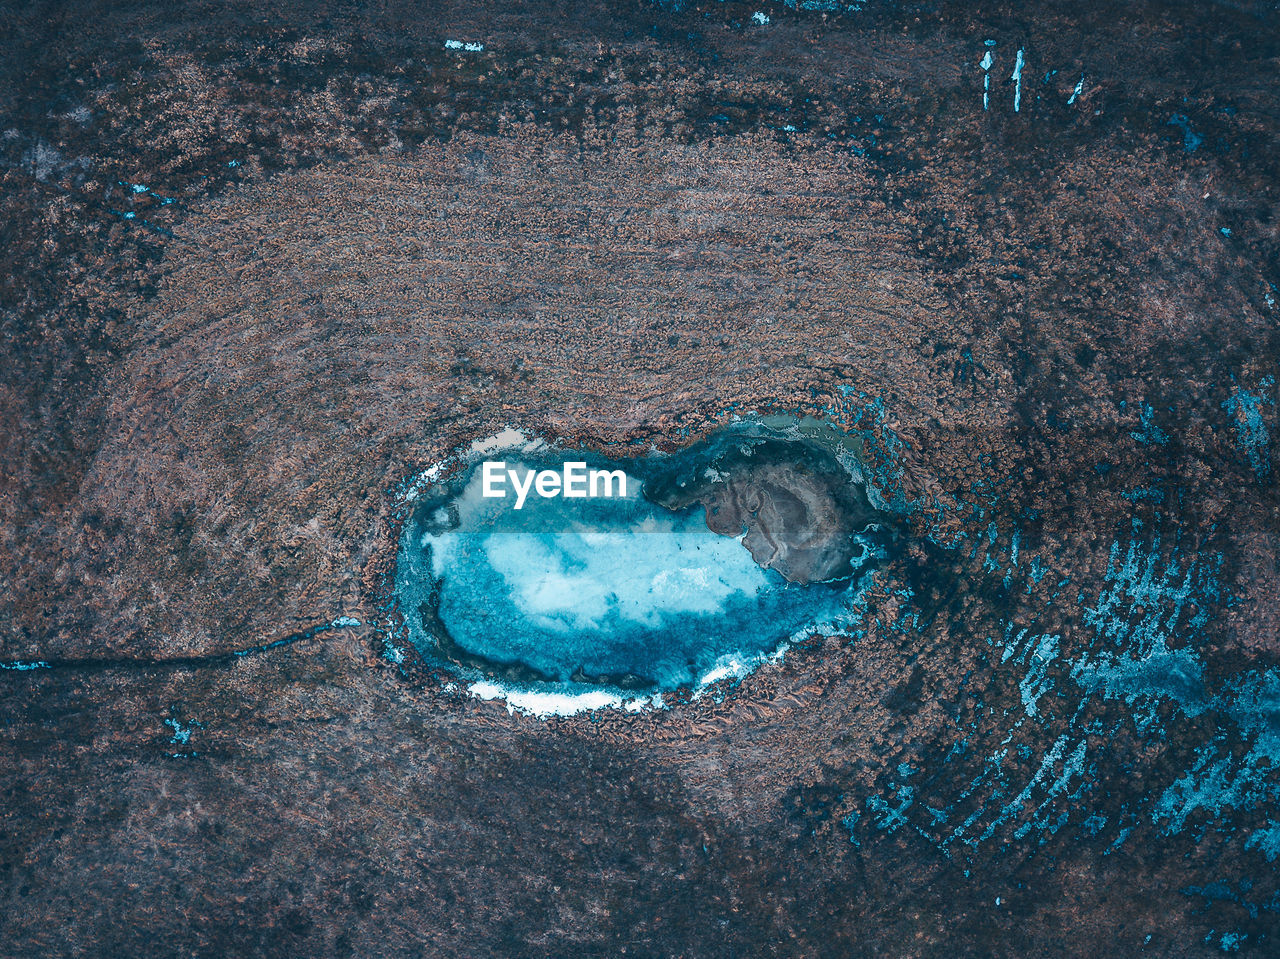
(1054, 329)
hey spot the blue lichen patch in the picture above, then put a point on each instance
(1049, 766)
(1253, 439)
(181, 731)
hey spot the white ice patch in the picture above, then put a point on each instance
(728, 667)
(1017, 83)
(760, 18)
(508, 439)
(986, 77)
(425, 479)
(461, 45)
(734, 666)
(644, 704)
(545, 704)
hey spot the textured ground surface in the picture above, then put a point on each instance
(261, 264)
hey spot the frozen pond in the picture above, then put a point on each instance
(717, 554)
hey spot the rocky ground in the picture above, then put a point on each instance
(263, 264)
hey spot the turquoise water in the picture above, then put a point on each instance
(614, 591)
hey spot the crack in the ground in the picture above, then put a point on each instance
(98, 664)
